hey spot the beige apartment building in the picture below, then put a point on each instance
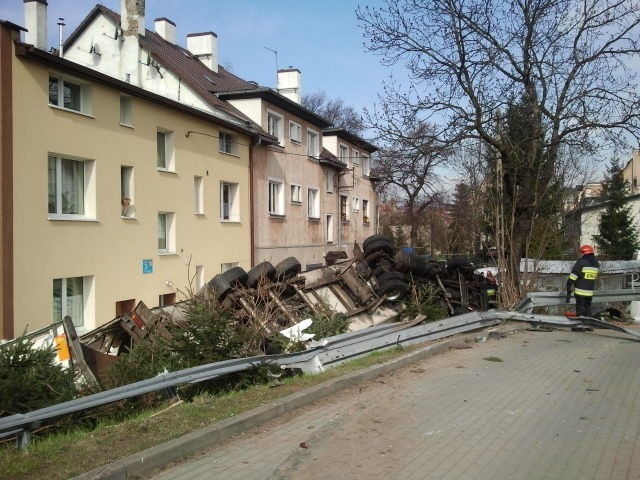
(308, 199)
(110, 194)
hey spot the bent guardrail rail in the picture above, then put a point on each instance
(326, 353)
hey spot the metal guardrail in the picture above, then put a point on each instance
(549, 299)
(326, 353)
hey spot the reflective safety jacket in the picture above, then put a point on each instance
(583, 276)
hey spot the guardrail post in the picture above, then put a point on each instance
(24, 438)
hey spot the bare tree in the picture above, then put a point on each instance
(559, 71)
(406, 164)
(335, 110)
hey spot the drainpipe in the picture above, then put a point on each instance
(252, 152)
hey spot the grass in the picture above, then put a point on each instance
(61, 456)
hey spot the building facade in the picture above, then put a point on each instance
(110, 194)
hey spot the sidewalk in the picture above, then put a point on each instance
(532, 405)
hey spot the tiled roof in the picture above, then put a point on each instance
(328, 158)
(203, 81)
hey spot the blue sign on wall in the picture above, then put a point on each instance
(147, 265)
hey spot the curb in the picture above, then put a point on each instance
(180, 448)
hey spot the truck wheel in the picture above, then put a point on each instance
(263, 271)
(287, 268)
(236, 276)
(393, 285)
(382, 244)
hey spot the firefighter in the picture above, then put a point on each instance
(582, 280)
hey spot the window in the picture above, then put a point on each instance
(355, 204)
(69, 94)
(198, 194)
(71, 188)
(344, 208)
(166, 153)
(295, 132)
(166, 299)
(313, 144)
(227, 143)
(365, 211)
(125, 306)
(344, 154)
(313, 199)
(126, 110)
(366, 165)
(199, 277)
(355, 157)
(330, 181)
(166, 232)
(229, 203)
(228, 266)
(275, 126)
(276, 200)
(127, 204)
(72, 297)
(295, 194)
(329, 228)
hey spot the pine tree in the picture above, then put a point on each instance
(618, 237)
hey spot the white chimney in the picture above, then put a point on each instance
(290, 84)
(132, 17)
(166, 29)
(205, 47)
(35, 20)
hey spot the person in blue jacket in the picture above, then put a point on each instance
(582, 280)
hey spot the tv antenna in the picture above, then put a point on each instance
(275, 52)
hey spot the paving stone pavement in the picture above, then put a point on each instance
(533, 405)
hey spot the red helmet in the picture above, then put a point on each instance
(586, 249)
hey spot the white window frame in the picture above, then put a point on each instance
(57, 101)
(346, 209)
(229, 206)
(343, 154)
(355, 204)
(227, 143)
(87, 322)
(355, 157)
(275, 125)
(275, 196)
(365, 211)
(313, 143)
(88, 185)
(198, 278)
(296, 194)
(127, 198)
(330, 180)
(126, 110)
(165, 159)
(295, 132)
(169, 226)
(366, 165)
(198, 195)
(329, 227)
(313, 203)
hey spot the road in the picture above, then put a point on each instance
(532, 405)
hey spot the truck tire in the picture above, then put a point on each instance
(220, 286)
(236, 276)
(393, 285)
(263, 271)
(287, 268)
(382, 244)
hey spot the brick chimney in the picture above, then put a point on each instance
(290, 84)
(35, 20)
(166, 29)
(132, 24)
(205, 47)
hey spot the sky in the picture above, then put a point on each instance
(321, 38)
